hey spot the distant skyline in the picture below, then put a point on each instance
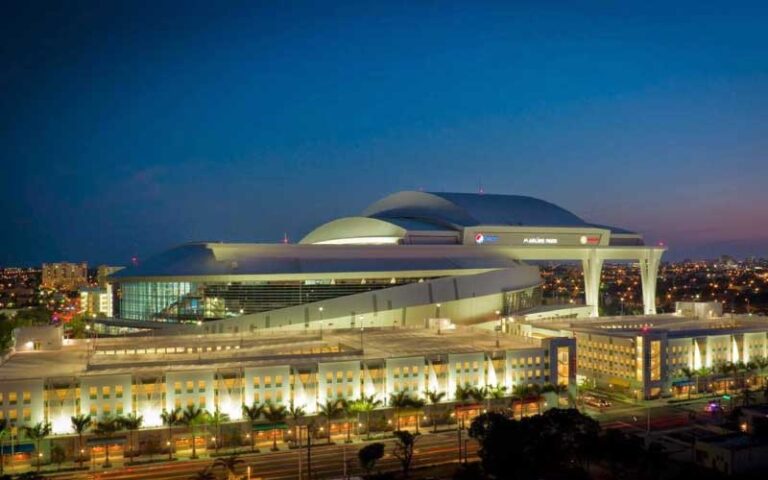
(130, 127)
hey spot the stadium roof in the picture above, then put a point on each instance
(225, 259)
(458, 210)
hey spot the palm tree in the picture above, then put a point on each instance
(275, 414)
(418, 405)
(399, 401)
(131, 422)
(688, 373)
(106, 429)
(434, 398)
(171, 418)
(366, 404)
(4, 430)
(296, 414)
(80, 424)
(762, 364)
(192, 416)
(253, 413)
(229, 464)
(37, 433)
(349, 409)
(495, 392)
(216, 419)
(329, 410)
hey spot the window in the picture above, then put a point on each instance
(93, 411)
(257, 382)
(201, 401)
(27, 398)
(267, 381)
(12, 398)
(105, 391)
(177, 388)
(201, 386)
(190, 386)
(278, 381)
(106, 408)
(93, 393)
(119, 391)
(27, 414)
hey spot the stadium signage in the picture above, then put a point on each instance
(540, 241)
(481, 238)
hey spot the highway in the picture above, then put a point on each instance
(327, 462)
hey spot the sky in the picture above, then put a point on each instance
(129, 127)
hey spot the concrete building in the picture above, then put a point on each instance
(650, 356)
(96, 301)
(65, 276)
(146, 375)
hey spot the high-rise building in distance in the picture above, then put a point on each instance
(65, 275)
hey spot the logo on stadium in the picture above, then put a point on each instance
(479, 238)
(589, 240)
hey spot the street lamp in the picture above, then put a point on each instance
(437, 315)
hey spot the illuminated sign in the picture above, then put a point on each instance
(589, 240)
(481, 238)
(539, 241)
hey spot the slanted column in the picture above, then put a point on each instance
(649, 271)
(592, 266)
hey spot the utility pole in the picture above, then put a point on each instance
(309, 452)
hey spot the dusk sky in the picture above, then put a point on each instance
(128, 128)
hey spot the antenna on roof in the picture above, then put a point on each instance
(285, 238)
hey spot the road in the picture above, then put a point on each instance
(327, 462)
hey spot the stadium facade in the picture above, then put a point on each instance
(408, 259)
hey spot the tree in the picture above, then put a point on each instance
(216, 419)
(556, 441)
(106, 429)
(329, 410)
(434, 398)
(80, 424)
(131, 422)
(366, 404)
(192, 417)
(171, 418)
(4, 430)
(296, 414)
(405, 441)
(37, 433)
(275, 414)
(399, 401)
(253, 413)
(230, 465)
(369, 455)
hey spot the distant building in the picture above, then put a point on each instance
(732, 454)
(65, 276)
(96, 301)
(105, 271)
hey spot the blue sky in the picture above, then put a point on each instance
(130, 127)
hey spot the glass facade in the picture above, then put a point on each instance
(521, 300)
(189, 302)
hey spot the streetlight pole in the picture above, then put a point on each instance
(437, 314)
(498, 329)
(320, 309)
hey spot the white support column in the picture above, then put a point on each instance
(592, 266)
(649, 271)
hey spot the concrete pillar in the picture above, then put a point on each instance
(592, 266)
(649, 268)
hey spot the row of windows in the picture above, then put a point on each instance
(12, 398)
(13, 415)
